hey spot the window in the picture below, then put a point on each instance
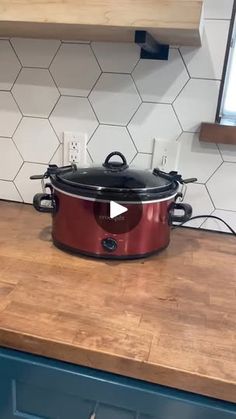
(226, 113)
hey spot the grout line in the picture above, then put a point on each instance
(90, 155)
(35, 162)
(17, 127)
(22, 164)
(177, 117)
(60, 44)
(12, 94)
(76, 96)
(59, 145)
(27, 67)
(74, 41)
(139, 60)
(7, 90)
(184, 63)
(12, 45)
(93, 110)
(130, 136)
(49, 116)
(54, 81)
(136, 87)
(93, 134)
(205, 78)
(131, 161)
(228, 210)
(94, 84)
(208, 192)
(214, 172)
(127, 125)
(221, 155)
(18, 190)
(180, 91)
(17, 147)
(93, 52)
(60, 142)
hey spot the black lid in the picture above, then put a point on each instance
(116, 180)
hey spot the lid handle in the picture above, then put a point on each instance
(116, 166)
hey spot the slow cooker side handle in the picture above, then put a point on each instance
(37, 202)
(174, 218)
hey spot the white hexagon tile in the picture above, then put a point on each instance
(73, 114)
(115, 99)
(218, 9)
(222, 187)
(10, 159)
(27, 187)
(10, 115)
(9, 192)
(197, 103)
(109, 138)
(198, 197)
(35, 92)
(197, 159)
(116, 57)
(153, 121)
(9, 65)
(207, 61)
(35, 52)
(36, 140)
(75, 69)
(161, 81)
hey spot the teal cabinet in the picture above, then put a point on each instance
(33, 387)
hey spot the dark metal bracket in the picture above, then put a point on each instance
(150, 48)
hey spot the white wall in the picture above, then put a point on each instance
(47, 87)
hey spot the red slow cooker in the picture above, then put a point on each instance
(111, 211)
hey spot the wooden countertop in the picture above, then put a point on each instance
(169, 319)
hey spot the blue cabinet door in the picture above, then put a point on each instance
(25, 401)
(33, 387)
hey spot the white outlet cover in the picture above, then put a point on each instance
(79, 148)
(166, 155)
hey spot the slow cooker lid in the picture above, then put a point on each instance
(117, 176)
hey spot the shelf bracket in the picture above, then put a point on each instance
(150, 48)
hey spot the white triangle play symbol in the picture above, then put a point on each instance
(116, 209)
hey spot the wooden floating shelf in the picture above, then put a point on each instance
(169, 21)
(218, 133)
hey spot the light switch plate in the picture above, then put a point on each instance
(166, 155)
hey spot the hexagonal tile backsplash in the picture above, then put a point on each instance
(123, 103)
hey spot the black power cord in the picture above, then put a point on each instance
(197, 217)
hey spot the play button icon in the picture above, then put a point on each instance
(116, 209)
(118, 217)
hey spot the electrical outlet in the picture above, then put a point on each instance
(166, 155)
(75, 148)
(73, 156)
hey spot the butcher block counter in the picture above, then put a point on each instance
(169, 319)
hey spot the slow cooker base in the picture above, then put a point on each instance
(109, 256)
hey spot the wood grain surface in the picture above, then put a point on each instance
(169, 319)
(174, 21)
